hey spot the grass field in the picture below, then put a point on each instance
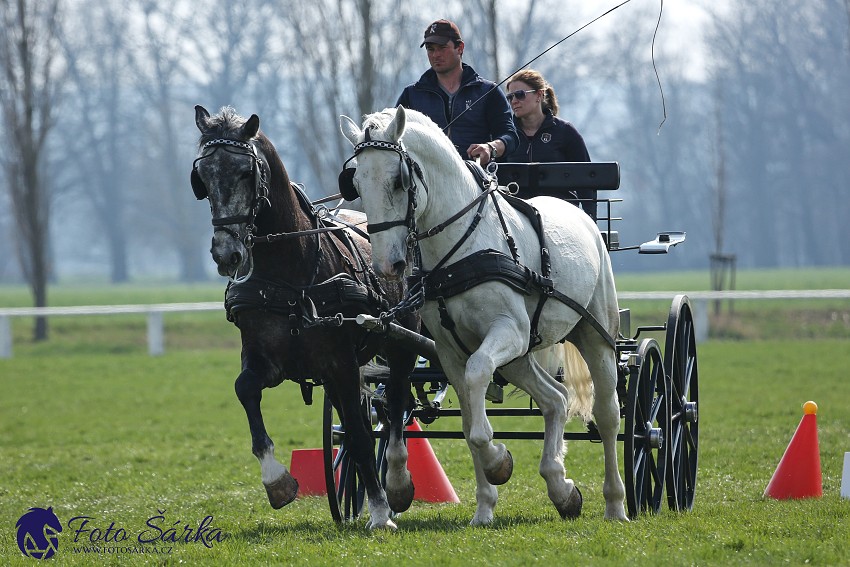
(92, 426)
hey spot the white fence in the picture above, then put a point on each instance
(156, 334)
(154, 312)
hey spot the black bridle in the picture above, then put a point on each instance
(409, 170)
(261, 189)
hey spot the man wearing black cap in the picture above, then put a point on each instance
(449, 94)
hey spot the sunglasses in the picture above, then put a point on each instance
(520, 95)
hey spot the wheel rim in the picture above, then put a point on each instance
(680, 363)
(647, 429)
(346, 491)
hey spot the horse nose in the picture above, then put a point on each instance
(225, 257)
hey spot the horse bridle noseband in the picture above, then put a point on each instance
(261, 189)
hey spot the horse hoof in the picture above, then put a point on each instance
(400, 499)
(502, 474)
(481, 520)
(282, 491)
(572, 507)
(389, 525)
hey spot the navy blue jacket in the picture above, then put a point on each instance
(555, 140)
(488, 120)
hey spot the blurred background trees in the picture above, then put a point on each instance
(99, 144)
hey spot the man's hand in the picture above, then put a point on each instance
(484, 152)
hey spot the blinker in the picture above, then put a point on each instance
(198, 186)
(346, 184)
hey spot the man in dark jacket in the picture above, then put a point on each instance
(450, 93)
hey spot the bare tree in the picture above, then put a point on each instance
(787, 129)
(162, 67)
(28, 91)
(99, 130)
(345, 58)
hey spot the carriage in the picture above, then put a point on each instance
(657, 388)
(315, 301)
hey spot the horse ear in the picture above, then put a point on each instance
(251, 127)
(397, 125)
(202, 118)
(349, 129)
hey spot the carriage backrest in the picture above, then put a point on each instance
(555, 179)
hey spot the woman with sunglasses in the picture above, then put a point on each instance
(542, 135)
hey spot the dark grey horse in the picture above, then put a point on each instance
(296, 280)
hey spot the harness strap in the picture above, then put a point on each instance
(470, 229)
(307, 206)
(492, 265)
(345, 223)
(533, 214)
(382, 226)
(236, 219)
(586, 315)
(433, 231)
(508, 236)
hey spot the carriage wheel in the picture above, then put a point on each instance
(647, 414)
(346, 491)
(680, 363)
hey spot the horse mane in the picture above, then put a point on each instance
(228, 124)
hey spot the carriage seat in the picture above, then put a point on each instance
(560, 178)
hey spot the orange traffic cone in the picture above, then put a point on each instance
(308, 468)
(798, 474)
(429, 479)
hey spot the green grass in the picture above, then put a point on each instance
(123, 436)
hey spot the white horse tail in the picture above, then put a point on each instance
(578, 383)
(565, 358)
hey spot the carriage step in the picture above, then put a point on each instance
(494, 393)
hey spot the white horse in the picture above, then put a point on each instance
(424, 183)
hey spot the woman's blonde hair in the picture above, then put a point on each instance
(535, 80)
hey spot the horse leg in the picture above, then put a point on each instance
(602, 363)
(359, 440)
(551, 397)
(281, 487)
(493, 462)
(399, 486)
(486, 494)
(504, 342)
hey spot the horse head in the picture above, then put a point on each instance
(232, 172)
(385, 180)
